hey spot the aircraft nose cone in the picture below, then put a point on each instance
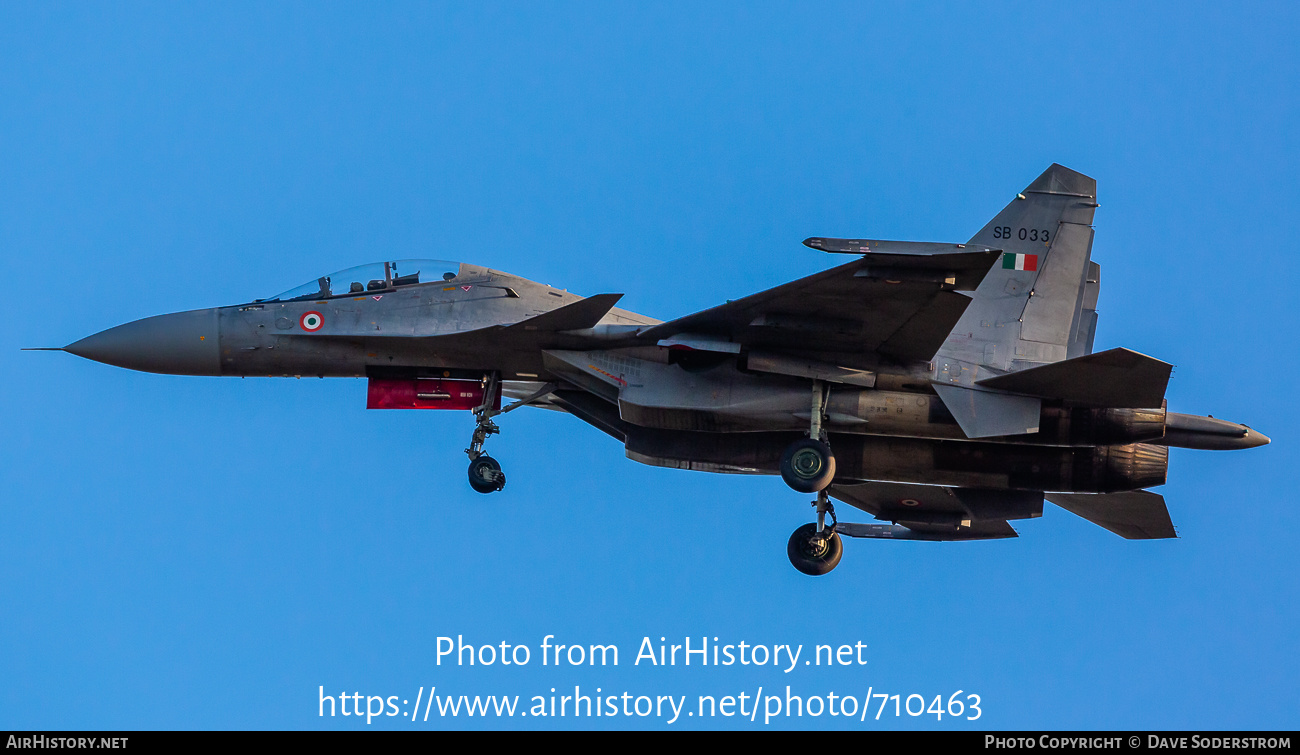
(182, 343)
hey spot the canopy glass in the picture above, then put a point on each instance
(377, 276)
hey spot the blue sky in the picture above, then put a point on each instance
(206, 553)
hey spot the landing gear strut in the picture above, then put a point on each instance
(485, 473)
(815, 549)
(808, 465)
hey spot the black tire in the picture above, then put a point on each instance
(813, 561)
(485, 475)
(808, 466)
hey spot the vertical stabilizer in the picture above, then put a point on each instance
(1036, 305)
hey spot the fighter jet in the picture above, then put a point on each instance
(944, 389)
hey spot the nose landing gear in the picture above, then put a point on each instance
(485, 473)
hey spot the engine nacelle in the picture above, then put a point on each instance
(1129, 467)
(713, 395)
(968, 464)
(1099, 427)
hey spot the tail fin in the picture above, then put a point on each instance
(1038, 303)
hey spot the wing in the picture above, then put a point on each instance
(901, 304)
(932, 512)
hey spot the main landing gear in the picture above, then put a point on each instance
(815, 549)
(485, 473)
(808, 466)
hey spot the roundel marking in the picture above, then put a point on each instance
(311, 321)
(910, 502)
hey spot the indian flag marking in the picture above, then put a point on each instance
(1019, 261)
(311, 322)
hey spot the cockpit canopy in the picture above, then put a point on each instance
(377, 276)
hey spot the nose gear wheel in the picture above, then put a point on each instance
(485, 474)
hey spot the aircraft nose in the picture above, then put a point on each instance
(182, 343)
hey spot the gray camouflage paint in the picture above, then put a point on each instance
(903, 336)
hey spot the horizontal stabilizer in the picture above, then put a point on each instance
(576, 316)
(984, 414)
(1135, 515)
(1118, 378)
